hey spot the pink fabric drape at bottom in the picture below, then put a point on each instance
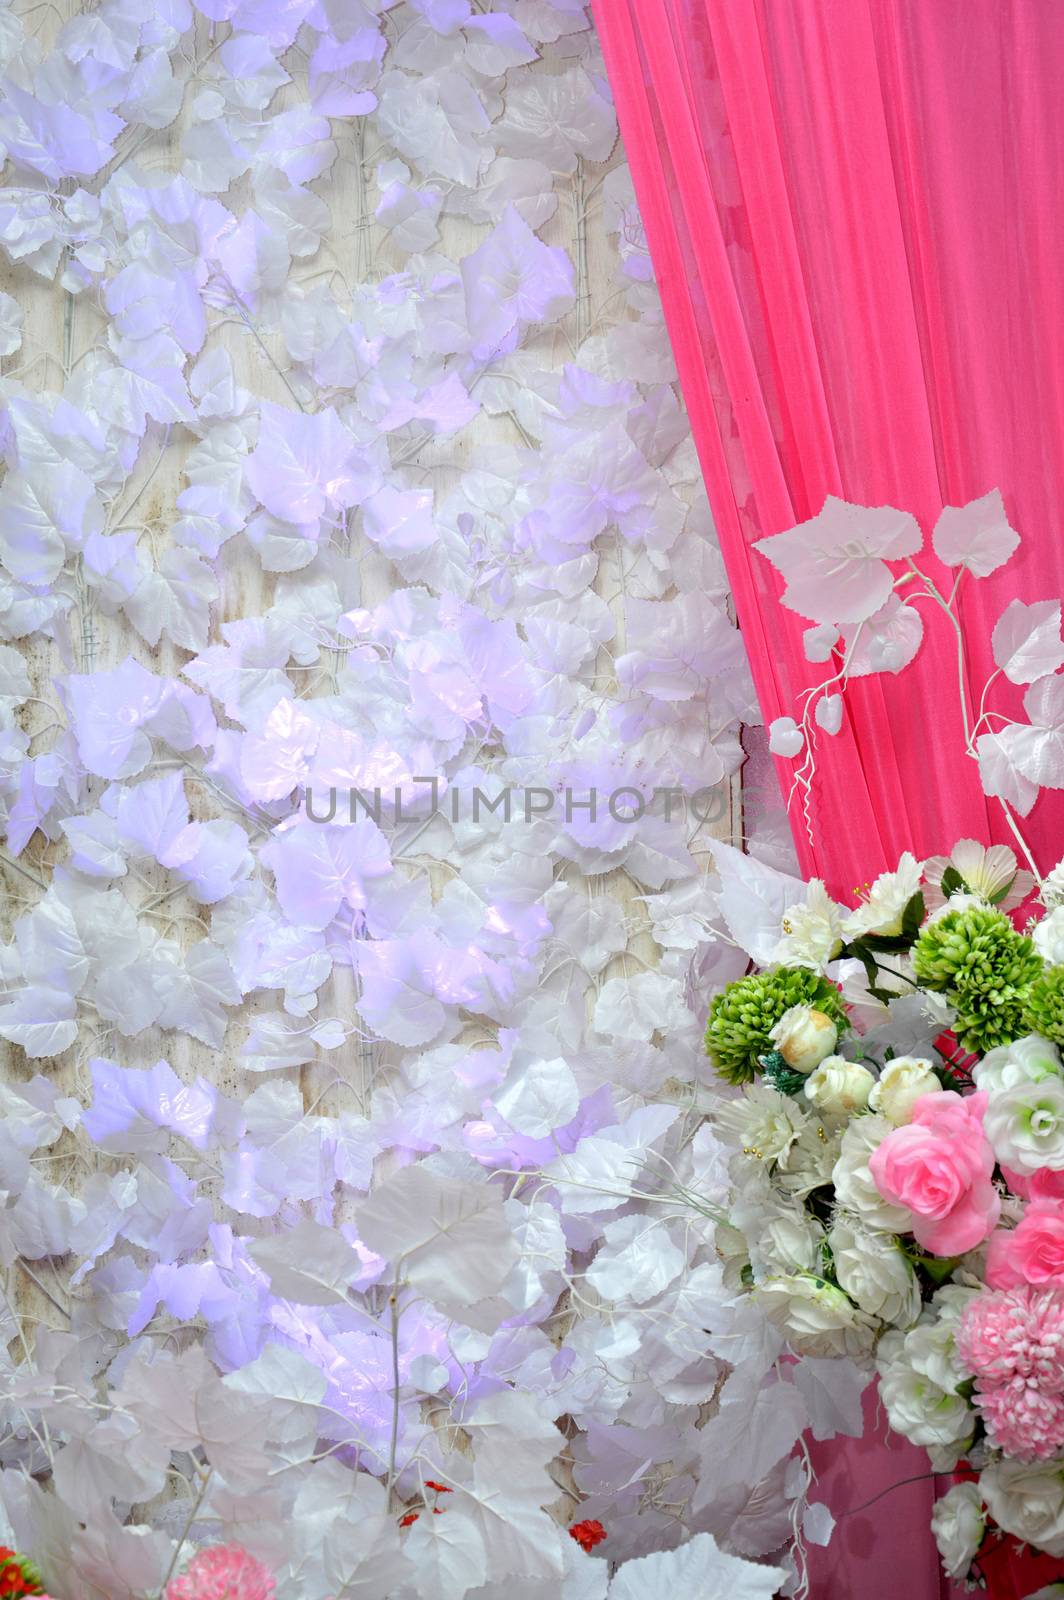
(853, 209)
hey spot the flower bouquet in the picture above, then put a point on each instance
(898, 1170)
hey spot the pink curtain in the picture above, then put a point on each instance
(854, 209)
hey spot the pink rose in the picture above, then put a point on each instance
(1032, 1252)
(1041, 1185)
(1046, 1185)
(939, 1166)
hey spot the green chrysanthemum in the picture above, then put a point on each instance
(743, 1015)
(984, 968)
(1044, 1011)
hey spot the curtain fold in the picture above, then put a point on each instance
(851, 206)
(853, 209)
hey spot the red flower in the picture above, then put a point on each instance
(18, 1575)
(587, 1534)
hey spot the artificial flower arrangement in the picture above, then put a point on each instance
(907, 1210)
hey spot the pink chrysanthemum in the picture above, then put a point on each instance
(1021, 1421)
(1012, 1342)
(1015, 1333)
(224, 1572)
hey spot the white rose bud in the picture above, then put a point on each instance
(804, 1036)
(900, 1086)
(958, 1524)
(839, 1087)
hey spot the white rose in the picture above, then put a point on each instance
(919, 1378)
(921, 1411)
(874, 1272)
(854, 1188)
(1048, 937)
(839, 1087)
(815, 1317)
(1026, 1060)
(958, 1525)
(900, 1086)
(1025, 1125)
(1027, 1499)
(804, 1036)
(789, 1242)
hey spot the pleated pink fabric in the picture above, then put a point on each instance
(854, 209)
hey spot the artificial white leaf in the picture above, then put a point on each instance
(304, 464)
(785, 738)
(175, 600)
(698, 1567)
(310, 1264)
(999, 773)
(976, 536)
(885, 642)
(449, 1552)
(292, 1385)
(836, 563)
(1037, 751)
(539, 1097)
(1027, 642)
(753, 899)
(449, 1239)
(638, 1260)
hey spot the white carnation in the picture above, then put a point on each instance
(873, 1271)
(901, 1083)
(761, 1121)
(958, 1524)
(811, 1158)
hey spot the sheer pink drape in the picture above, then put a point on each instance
(854, 210)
